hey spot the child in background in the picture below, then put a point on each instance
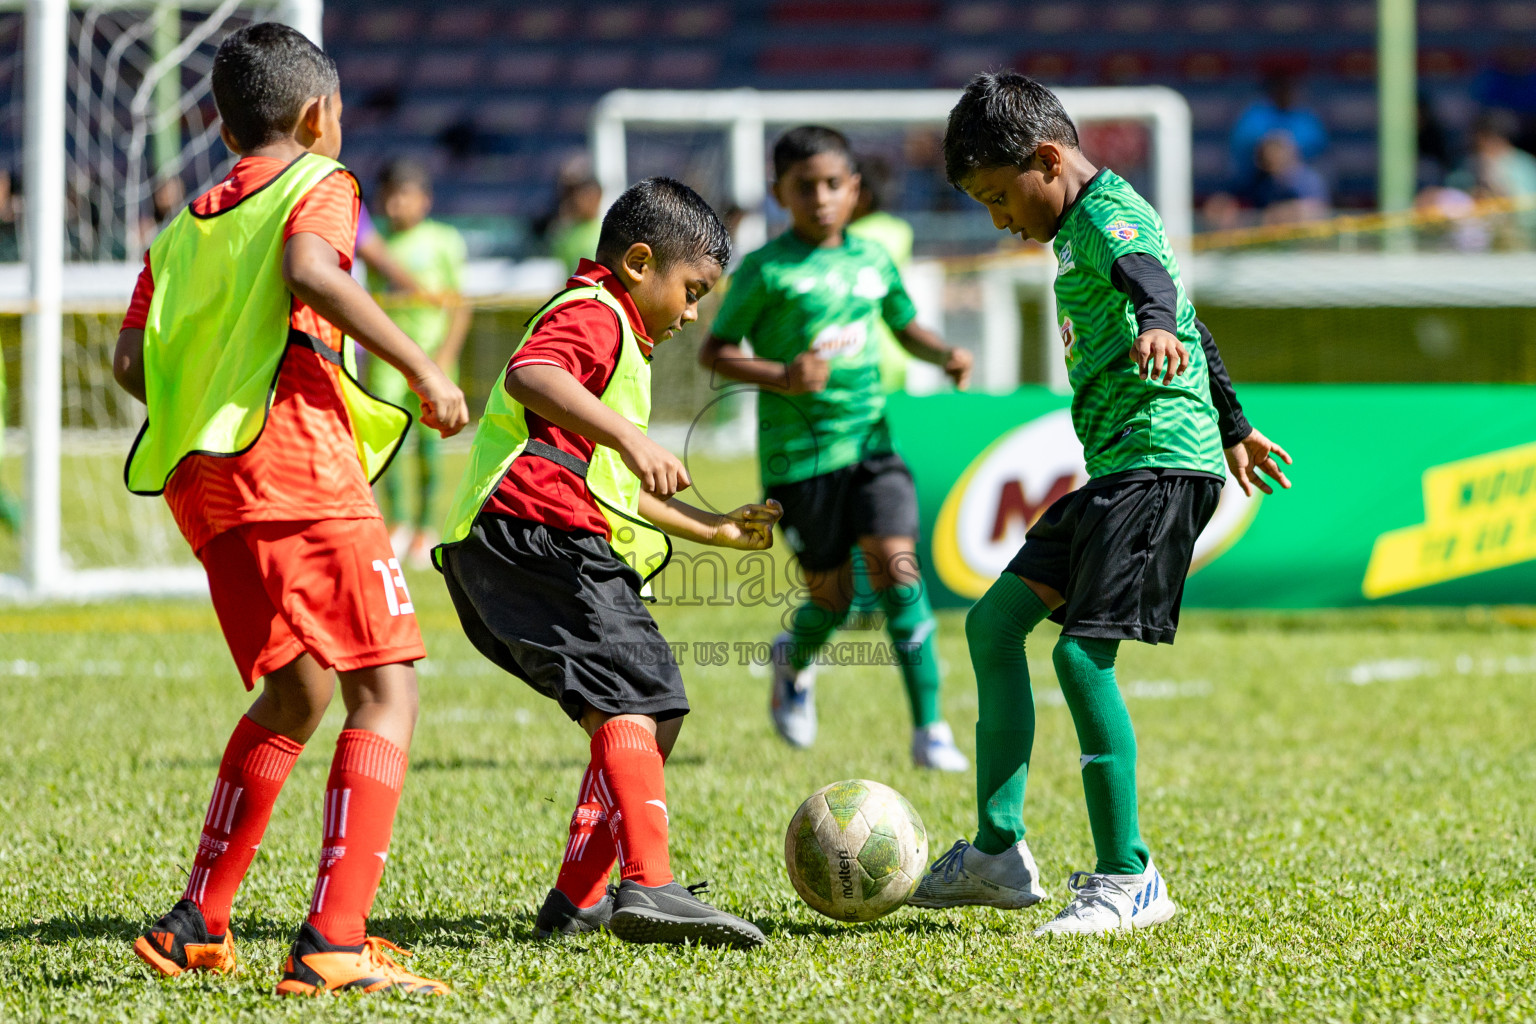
(433, 254)
(1154, 409)
(263, 444)
(561, 511)
(809, 302)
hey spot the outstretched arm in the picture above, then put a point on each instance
(930, 348)
(749, 528)
(312, 271)
(806, 372)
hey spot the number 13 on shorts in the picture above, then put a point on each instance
(395, 592)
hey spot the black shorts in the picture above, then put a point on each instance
(1118, 550)
(825, 516)
(562, 613)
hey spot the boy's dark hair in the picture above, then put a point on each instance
(262, 76)
(668, 216)
(806, 141)
(1000, 121)
(404, 171)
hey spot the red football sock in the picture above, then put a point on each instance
(630, 786)
(256, 764)
(360, 800)
(589, 852)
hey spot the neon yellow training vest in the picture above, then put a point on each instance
(502, 436)
(218, 331)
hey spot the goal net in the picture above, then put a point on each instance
(109, 106)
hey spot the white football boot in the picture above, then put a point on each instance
(793, 697)
(966, 877)
(933, 746)
(1112, 903)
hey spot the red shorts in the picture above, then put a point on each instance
(331, 588)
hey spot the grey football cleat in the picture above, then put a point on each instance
(674, 914)
(559, 916)
(793, 697)
(966, 877)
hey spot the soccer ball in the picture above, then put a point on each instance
(855, 850)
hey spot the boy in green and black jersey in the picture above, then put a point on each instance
(1160, 425)
(809, 302)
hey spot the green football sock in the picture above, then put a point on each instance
(1005, 708)
(428, 459)
(1086, 668)
(910, 623)
(809, 628)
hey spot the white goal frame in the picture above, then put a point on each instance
(46, 53)
(745, 115)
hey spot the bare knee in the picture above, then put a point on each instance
(382, 699)
(293, 699)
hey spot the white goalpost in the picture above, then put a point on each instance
(746, 116)
(117, 105)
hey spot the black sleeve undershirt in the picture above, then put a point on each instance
(1155, 299)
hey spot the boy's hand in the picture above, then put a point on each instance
(749, 528)
(1159, 354)
(958, 367)
(805, 373)
(442, 404)
(660, 472)
(1257, 452)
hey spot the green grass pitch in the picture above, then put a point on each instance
(1342, 805)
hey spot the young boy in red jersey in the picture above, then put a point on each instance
(264, 445)
(548, 528)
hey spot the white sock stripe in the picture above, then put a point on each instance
(318, 903)
(325, 814)
(603, 795)
(346, 803)
(234, 802)
(213, 804)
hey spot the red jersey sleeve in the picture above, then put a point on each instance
(582, 338)
(138, 306)
(330, 211)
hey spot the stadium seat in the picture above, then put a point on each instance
(1350, 111)
(604, 68)
(693, 68)
(955, 67)
(512, 115)
(979, 18)
(534, 23)
(427, 117)
(1286, 18)
(461, 24)
(855, 60)
(525, 68)
(626, 22)
(1211, 18)
(866, 12)
(700, 21)
(362, 72)
(1056, 18)
(385, 24)
(448, 69)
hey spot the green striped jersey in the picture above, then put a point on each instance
(1125, 422)
(789, 297)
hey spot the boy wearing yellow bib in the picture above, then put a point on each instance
(555, 528)
(264, 445)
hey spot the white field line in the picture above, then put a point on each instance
(1395, 670)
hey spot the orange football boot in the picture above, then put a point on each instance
(179, 942)
(315, 966)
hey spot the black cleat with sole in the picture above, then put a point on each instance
(673, 913)
(559, 916)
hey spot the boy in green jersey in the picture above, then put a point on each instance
(1160, 425)
(809, 301)
(434, 254)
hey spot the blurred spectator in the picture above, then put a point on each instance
(1435, 157)
(1509, 83)
(1279, 110)
(571, 229)
(1498, 169)
(1278, 184)
(165, 203)
(10, 234)
(874, 223)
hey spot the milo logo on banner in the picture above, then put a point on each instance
(988, 510)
